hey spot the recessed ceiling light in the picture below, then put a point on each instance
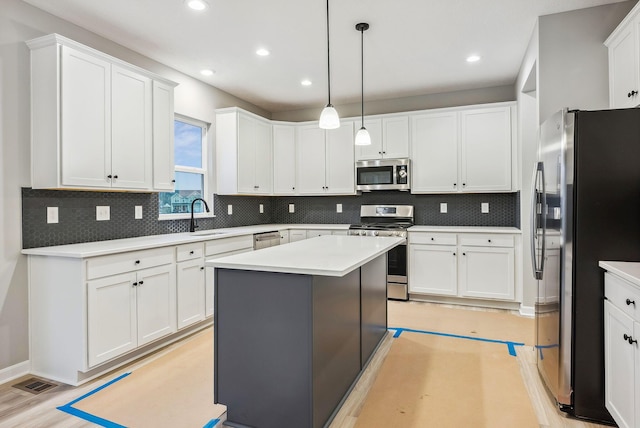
(306, 82)
(473, 58)
(262, 52)
(197, 4)
(207, 72)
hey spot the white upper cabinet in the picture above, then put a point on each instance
(463, 150)
(284, 159)
(624, 62)
(92, 120)
(243, 153)
(163, 123)
(325, 160)
(389, 138)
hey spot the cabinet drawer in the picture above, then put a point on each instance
(228, 244)
(126, 262)
(485, 240)
(619, 292)
(189, 251)
(432, 238)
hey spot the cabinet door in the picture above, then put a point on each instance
(284, 237)
(340, 163)
(395, 137)
(111, 317)
(297, 235)
(85, 120)
(432, 269)
(373, 151)
(190, 292)
(434, 153)
(163, 122)
(263, 161)
(487, 273)
(310, 152)
(156, 297)
(246, 154)
(623, 69)
(620, 398)
(131, 129)
(485, 149)
(284, 159)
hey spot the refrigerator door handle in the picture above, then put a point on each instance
(537, 270)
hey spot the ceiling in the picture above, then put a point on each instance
(413, 47)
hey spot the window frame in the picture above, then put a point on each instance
(204, 171)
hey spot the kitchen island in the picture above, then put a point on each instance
(294, 327)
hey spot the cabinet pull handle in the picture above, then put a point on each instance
(135, 284)
(137, 262)
(140, 282)
(631, 302)
(632, 94)
(630, 339)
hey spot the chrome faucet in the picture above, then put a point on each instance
(193, 225)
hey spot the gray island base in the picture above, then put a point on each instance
(290, 346)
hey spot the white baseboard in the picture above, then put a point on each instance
(527, 311)
(15, 371)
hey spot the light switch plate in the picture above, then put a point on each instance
(292, 208)
(229, 209)
(261, 209)
(443, 207)
(138, 212)
(103, 212)
(338, 208)
(52, 214)
(484, 207)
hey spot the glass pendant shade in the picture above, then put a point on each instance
(363, 138)
(329, 118)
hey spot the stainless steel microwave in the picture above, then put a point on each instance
(382, 174)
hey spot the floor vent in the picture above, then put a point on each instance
(35, 386)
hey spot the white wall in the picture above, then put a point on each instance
(20, 22)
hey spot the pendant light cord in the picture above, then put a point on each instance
(362, 72)
(328, 57)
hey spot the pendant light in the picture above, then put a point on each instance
(362, 137)
(329, 118)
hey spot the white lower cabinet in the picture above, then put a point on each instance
(621, 352)
(467, 265)
(129, 310)
(297, 235)
(190, 292)
(284, 236)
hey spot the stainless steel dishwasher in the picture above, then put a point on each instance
(265, 239)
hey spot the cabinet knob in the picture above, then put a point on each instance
(464, 184)
(632, 94)
(293, 188)
(384, 153)
(135, 284)
(191, 252)
(433, 239)
(379, 153)
(137, 262)
(201, 267)
(489, 240)
(464, 254)
(173, 181)
(115, 177)
(629, 339)
(631, 302)
(109, 176)
(140, 282)
(454, 254)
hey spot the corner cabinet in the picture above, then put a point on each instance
(97, 122)
(621, 351)
(325, 160)
(469, 150)
(243, 153)
(624, 62)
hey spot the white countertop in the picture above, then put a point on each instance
(465, 229)
(329, 255)
(627, 270)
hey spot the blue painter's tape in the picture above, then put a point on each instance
(212, 423)
(510, 345)
(89, 417)
(67, 408)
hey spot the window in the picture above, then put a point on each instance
(190, 156)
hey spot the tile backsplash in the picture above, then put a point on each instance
(77, 213)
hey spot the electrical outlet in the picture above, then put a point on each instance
(138, 215)
(229, 209)
(103, 213)
(261, 209)
(443, 207)
(338, 208)
(292, 208)
(52, 214)
(484, 207)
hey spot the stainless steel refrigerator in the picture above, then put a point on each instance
(585, 208)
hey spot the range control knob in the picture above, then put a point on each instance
(374, 233)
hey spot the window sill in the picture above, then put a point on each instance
(163, 217)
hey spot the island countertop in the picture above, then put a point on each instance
(329, 255)
(627, 270)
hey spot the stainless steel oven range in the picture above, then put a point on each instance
(389, 220)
